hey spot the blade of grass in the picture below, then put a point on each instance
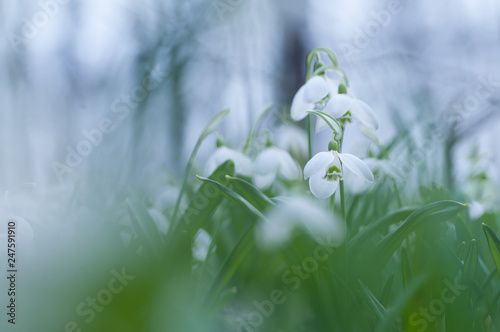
(206, 200)
(438, 211)
(405, 263)
(145, 227)
(251, 193)
(494, 245)
(206, 131)
(471, 262)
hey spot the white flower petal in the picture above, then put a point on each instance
(242, 164)
(356, 185)
(365, 114)
(300, 212)
(318, 163)
(338, 105)
(316, 88)
(267, 161)
(264, 181)
(289, 168)
(476, 210)
(293, 139)
(274, 231)
(333, 78)
(320, 187)
(299, 107)
(356, 165)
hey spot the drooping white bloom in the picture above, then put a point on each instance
(340, 104)
(324, 171)
(271, 162)
(318, 88)
(242, 164)
(304, 213)
(201, 245)
(293, 139)
(312, 92)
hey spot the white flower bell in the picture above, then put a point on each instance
(312, 92)
(293, 139)
(303, 213)
(242, 164)
(340, 104)
(272, 162)
(324, 171)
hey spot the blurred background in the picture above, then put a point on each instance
(68, 65)
(105, 98)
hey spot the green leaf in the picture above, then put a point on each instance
(233, 197)
(462, 250)
(471, 262)
(205, 202)
(373, 302)
(437, 211)
(145, 227)
(253, 130)
(240, 251)
(386, 291)
(400, 303)
(494, 245)
(378, 226)
(209, 128)
(238, 254)
(251, 193)
(405, 262)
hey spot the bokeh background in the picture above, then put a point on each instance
(67, 66)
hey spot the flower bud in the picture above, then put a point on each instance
(333, 146)
(220, 142)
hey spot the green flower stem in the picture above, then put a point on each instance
(343, 248)
(342, 195)
(309, 136)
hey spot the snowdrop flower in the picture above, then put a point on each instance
(293, 139)
(324, 171)
(271, 162)
(201, 245)
(346, 106)
(339, 105)
(306, 98)
(242, 164)
(299, 212)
